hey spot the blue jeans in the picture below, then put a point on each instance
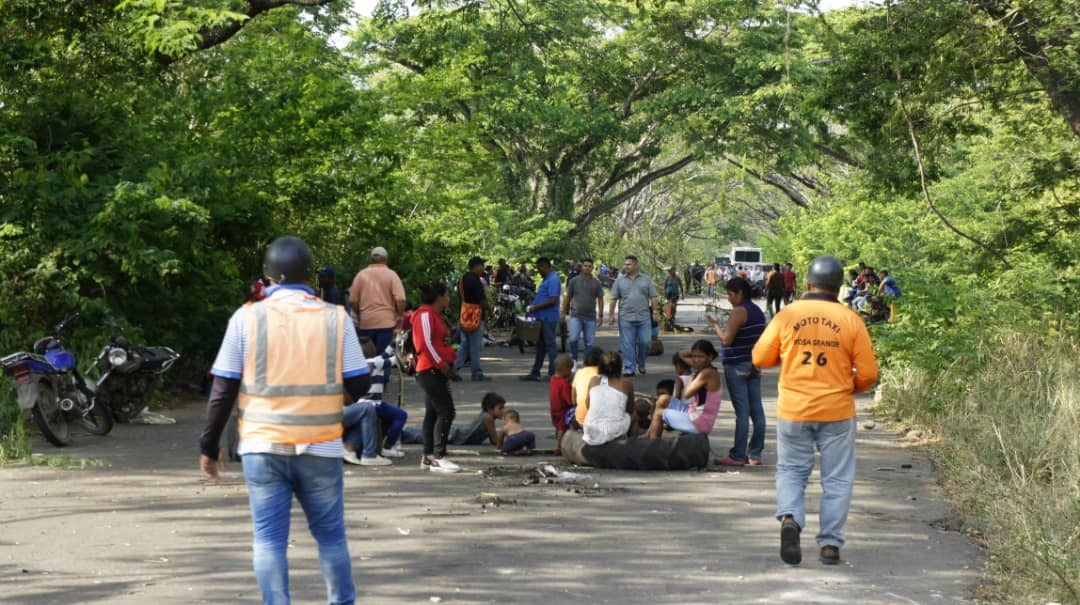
(471, 345)
(795, 443)
(545, 346)
(361, 428)
(744, 388)
(634, 340)
(578, 327)
(677, 416)
(383, 337)
(317, 483)
(393, 419)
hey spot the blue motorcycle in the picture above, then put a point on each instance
(50, 386)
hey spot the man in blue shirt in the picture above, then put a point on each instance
(545, 309)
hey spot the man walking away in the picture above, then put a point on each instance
(825, 357)
(634, 292)
(289, 360)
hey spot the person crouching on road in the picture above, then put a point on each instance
(289, 361)
(435, 363)
(825, 358)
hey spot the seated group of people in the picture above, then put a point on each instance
(870, 292)
(599, 400)
(373, 427)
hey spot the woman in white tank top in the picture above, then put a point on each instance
(610, 402)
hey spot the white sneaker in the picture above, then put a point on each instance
(351, 457)
(441, 465)
(374, 461)
(393, 452)
(574, 369)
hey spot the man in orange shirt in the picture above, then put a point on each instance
(377, 300)
(825, 357)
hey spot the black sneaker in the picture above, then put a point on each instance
(790, 551)
(481, 378)
(830, 555)
(628, 375)
(530, 378)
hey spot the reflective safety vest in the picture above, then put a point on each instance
(291, 390)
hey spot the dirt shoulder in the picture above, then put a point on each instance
(144, 528)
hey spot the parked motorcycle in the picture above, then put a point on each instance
(49, 384)
(128, 374)
(510, 302)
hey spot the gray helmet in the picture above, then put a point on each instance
(826, 272)
(289, 261)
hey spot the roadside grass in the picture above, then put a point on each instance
(15, 449)
(1009, 453)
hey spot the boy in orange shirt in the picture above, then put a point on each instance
(825, 357)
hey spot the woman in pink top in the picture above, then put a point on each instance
(693, 409)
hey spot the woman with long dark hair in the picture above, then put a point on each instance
(738, 336)
(434, 364)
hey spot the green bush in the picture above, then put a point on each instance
(1010, 454)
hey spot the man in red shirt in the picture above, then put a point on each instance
(790, 279)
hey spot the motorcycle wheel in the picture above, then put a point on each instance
(97, 420)
(50, 418)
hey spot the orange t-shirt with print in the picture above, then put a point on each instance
(825, 357)
(580, 386)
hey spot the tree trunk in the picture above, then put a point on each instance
(1021, 26)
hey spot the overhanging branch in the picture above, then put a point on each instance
(613, 202)
(212, 36)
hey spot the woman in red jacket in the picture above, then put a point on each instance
(434, 364)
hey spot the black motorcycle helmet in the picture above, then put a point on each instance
(289, 261)
(826, 272)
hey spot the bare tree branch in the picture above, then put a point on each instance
(213, 36)
(613, 202)
(776, 180)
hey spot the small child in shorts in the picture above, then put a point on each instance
(559, 396)
(515, 439)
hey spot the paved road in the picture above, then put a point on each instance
(143, 528)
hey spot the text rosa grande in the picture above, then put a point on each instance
(814, 342)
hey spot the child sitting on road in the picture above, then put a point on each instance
(559, 396)
(515, 439)
(480, 430)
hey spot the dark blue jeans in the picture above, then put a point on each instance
(393, 420)
(545, 346)
(744, 388)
